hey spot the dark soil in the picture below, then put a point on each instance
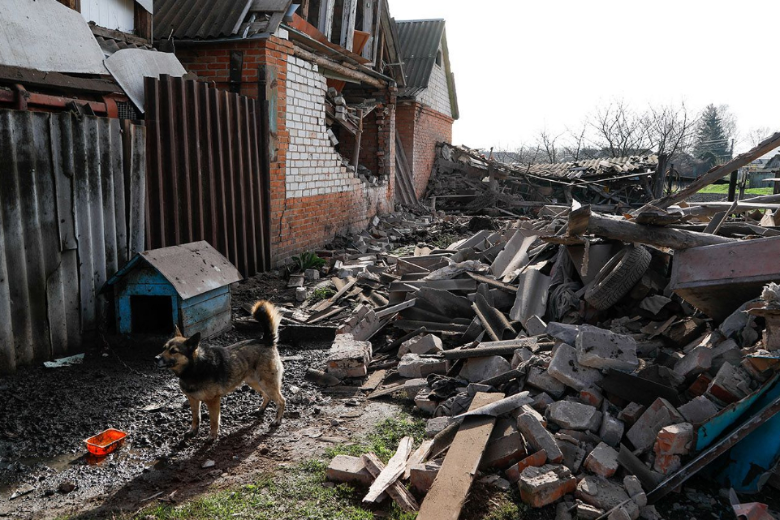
(47, 414)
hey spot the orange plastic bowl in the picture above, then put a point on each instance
(105, 442)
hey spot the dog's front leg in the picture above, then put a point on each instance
(213, 405)
(195, 406)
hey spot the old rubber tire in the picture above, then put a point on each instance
(618, 277)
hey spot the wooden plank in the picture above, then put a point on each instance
(397, 492)
(449, 491)
(394, 469)
(326, 17)
(348, 15)
(418, 457)
(374, 380)
(457, 284)
(336, 297)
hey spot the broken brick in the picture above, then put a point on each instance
(631, 413)
(538, 437)
(611, 430)
(730, 384)
(348, 357)
(479, 369)
(602, 461)
(698, 410)
(414, 366)
(503, 452)
(542, 380)
(427, 344)
(667, 464)
(565, 368)
(592, 396)
(600, 492)
(536, 460)
(661, 413)
(676, 439)
(574, 416)
(697, 361)
(545, 485)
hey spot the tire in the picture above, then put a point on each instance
(618, 277)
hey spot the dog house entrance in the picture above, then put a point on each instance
(151, 314)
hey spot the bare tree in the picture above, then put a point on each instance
(620, 131)
(729, 122)
(756, 135)
(575, 146)
(671, 129)
(548, 145)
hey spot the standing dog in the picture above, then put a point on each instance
(207, 373)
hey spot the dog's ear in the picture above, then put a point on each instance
(176, 332)
(193, 342)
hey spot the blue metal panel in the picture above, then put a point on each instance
(203, 297)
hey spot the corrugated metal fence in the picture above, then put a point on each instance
(72, 203)
(206, 179)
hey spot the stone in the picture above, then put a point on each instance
(537, 436)
(521, 355)
(413, 366)
(428, 344)
(694, 363)
(301, 293)
(588, 512)
(634, 489)
(592, 396)
(600, 348)
(600, 492)
(479, 369)
(536, 460)
(541, 402)
(563, 332)
(347, 469)
(423, 475)
(631, 413)
(611, 430)
(437, 424)
(667, 464)
(348, 357)
(574, 416)
(545, 485)
(660, 414)
(311, 275)
(503, 452)
(565, 368)
(602, 461)
(535, 326)
(730, 384)
(676, 439)
(412, 388)
(542, 380)
(698, 410)
(425, 403)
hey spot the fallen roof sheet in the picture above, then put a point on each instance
(419, 40)
(596, 167)
(67, 46)
(129, 67)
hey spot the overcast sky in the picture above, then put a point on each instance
(522, 66)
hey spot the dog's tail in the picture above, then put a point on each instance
(268, 316)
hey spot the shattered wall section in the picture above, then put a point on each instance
(421, 128)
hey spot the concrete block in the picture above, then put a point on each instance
(503, 452)
(479, 369)
(412, 365)
(631, 413)
(563, 332)
(536, 460)
(535, 326)
(541, 402)
(660, 414)
(600, 492)
(424, 403)
(698, 410)
(676, 439)
(437, 424)
(346, 469)
(537, 436)
(423, 475)
(730, 384)
(592, 396)
(545, 485)
(428, 344)
(574, 416)
(694, 363)
(611, 430)
(602, 461)
(521, 355)
(348, 357)
(565, 368)
(540, 379)
(599, 348)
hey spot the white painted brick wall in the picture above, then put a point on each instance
(313, 166)
(437, 95)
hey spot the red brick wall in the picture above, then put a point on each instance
(304, 223)
(421, 128)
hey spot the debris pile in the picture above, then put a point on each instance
(594, 361)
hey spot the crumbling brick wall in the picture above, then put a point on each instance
(313, 196)
(421, 128)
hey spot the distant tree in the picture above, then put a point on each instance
(713, 142)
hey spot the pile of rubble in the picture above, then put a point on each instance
(553, 354)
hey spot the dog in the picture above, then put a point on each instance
(207, 373)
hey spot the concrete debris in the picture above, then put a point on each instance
(574, 416)
(598, 348)
(602, 461)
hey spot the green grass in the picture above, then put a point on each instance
(724, 189)
(299, 493)
(323, 293)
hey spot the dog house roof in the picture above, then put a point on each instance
(192, 269)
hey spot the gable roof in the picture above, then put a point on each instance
(420, 40)
(212, 19)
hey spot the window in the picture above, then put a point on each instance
(438, 58)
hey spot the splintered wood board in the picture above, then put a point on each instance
(449, 491)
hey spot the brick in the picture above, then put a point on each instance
(521, 355)
(348, 357)
(600, 492)
(479, 369)
(573, 453)
(427, 344)
(347, 469)
(676, 439)
(730, 384)
(631, 413)
(535, 326)
(698, 410)
(503, 452)
(536, 460)
(602, 461)
(541, 402)
(599, 348)
(565, 368)
(538, 437)
(542, 380)
(423, 475)
(633, 487)
(667, 464)
(611, 430)
(660, 414)
(545, 485)
(574, 416)
(697, 361)
(592, 396)
(563, 332)
(414, 366)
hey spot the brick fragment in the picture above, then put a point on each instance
(542, 380)
(698, 410)
(611, 430)
(503, 452)
(592, 396)
(588, 512)
(427, 344)
(545, 485)
(600, 348)
(730, 384)
(414, 366)
(602, 461)
(661, 413)
(348, 357)
(347, 469)
(676, 439)
(565, 368)
(600, 492)
(574, 416)
(538, 437)
(694, 363)
(536, 460)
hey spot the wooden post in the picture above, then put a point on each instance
(348, 16)
(368, 26)
(358, 138)
(660, 176)
(733, 186)
(305, 9)
(325, 25)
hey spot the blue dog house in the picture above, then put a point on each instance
(187, 285)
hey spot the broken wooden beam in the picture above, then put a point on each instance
(394, 469)
(396, 490)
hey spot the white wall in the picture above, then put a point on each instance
(111, 14)
(437, 95)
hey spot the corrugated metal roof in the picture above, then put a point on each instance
(211, 19)
(192, 269)
(419, 41)
(596, 167)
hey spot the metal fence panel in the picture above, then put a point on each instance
(64, 221)
(206, 179)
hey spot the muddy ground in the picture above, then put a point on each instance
(47, 413)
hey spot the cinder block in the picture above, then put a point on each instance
(600, 348)
(565, 368)
(602, 461)
(545, 485)
(413, 366)
(346, 469)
